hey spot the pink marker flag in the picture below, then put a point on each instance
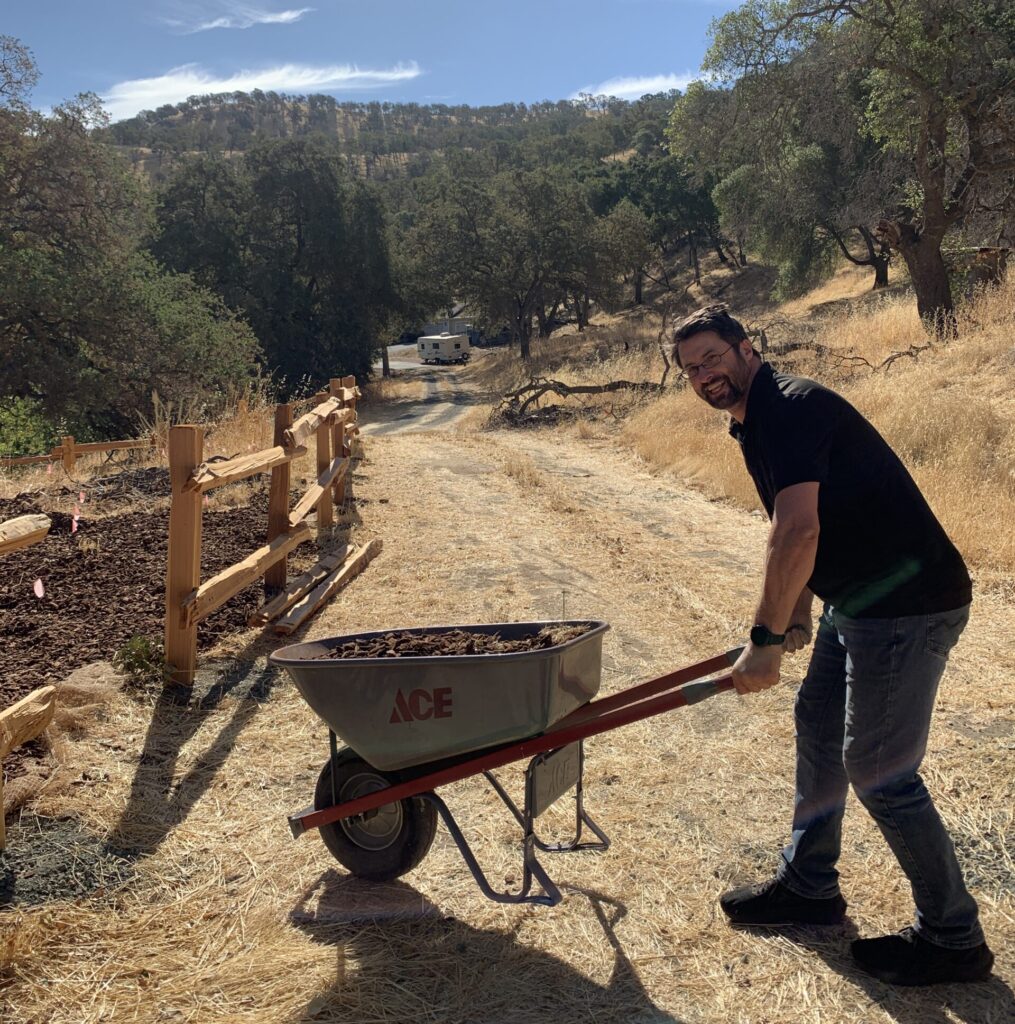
(81, 497)
(39, 589)
(49, 469)
(74, 521)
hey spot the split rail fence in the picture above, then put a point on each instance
(70, 451)
(332, 422)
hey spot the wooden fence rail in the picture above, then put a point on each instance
(70, 451)
(188, 600)
(20, 723)
(23, 531)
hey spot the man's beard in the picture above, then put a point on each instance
(727, 398)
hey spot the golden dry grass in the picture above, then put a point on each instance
(949, 413)
(389, 389)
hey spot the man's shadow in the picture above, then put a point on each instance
(407, 953)
(984, 1002)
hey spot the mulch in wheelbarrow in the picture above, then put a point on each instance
(405, 644)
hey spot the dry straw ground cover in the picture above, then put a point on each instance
(225, 918)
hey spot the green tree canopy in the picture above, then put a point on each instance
(938, 80)
(88, 325)
(293, 244)
(515, 246)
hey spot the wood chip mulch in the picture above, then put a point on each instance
(105, 583)
(450, 643)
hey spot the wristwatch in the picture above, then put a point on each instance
(762, 636)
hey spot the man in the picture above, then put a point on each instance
(850, 526)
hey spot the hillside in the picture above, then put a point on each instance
(386, 139)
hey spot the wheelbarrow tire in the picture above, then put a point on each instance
(385, 845)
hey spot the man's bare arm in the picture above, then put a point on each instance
(801, 623)
(792, 547)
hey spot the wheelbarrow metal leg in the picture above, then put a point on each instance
(531, 868)
(582, 818)
(333, 740)
(533, 805)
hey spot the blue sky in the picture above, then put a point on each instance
(139, 55)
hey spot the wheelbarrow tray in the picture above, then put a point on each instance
(405, 711)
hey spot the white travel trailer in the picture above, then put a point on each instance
(443, 348)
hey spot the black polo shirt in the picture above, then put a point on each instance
(881, 551)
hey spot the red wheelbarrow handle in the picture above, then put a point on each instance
(633, 695)
(643, 701)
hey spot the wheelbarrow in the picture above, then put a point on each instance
(413, 724)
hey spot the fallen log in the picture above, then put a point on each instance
(301, 611)
(516, 402)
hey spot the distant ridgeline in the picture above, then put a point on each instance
(386, 139)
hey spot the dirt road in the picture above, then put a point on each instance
(446, 401)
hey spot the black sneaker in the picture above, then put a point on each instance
(772, 905)
(907, 959)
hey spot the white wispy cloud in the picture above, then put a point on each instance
(233, 15)
(125, 99)
(635, 86)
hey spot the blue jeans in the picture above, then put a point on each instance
(862, 718)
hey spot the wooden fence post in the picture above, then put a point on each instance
(338, 443)
(278, 504)
(69, 458)
(325, 514)
(183, 566)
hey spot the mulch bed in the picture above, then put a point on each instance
(450, 643)
(105, 583)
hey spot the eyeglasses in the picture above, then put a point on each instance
(708, 363)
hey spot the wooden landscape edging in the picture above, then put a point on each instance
(23, 531)
(20, 723)
(188, 600)
(70, 451)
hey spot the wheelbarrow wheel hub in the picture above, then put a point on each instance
(373, 830)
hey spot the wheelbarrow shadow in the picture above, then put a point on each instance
(407, 952)
(980, 1003)
(158, 802)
